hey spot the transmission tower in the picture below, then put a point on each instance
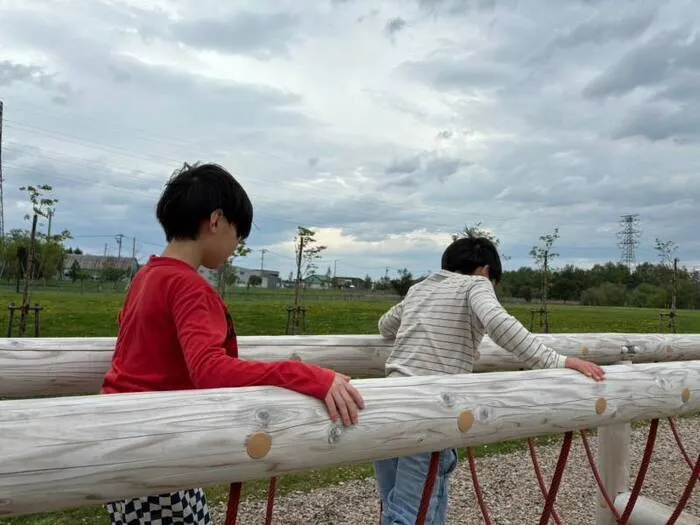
(629, 239)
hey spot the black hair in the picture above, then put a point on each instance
(194, 192)
(469, 253)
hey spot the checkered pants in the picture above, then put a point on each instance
(186, 507)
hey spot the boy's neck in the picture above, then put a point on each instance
(186, 251)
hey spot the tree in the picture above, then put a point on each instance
(403, 283)
(307, 252)
(74, 271)
(41, 206)
(542, 255)
(666, 251)
(254, 280)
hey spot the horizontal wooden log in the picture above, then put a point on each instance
(649, 512)
(70, 366)
(75, 451)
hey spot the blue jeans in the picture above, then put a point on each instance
(401, 481)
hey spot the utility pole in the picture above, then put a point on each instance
(133, 248)
(105, 252)
(262, 261)
(119, 237)
(48, 232)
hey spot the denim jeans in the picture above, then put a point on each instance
(401, 481)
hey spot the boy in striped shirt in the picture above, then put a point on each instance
(437, 329)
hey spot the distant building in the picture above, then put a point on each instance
(97, 266)
(212, 276)
(317, 281)
(349, 282)
(269, 278)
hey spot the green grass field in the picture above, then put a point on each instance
(94, 314)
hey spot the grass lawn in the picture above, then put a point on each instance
(94, 314)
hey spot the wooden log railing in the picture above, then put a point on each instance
(77, 451)
(69, 366)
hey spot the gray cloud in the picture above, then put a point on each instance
(259, 34)
(404, 166)
(654, 123)
(394, 25)
(421, 169)
(650, 64)
(603, 29)
(11, 73)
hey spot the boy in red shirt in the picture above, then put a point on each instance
(176, 333)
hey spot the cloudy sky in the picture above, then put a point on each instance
(386, 125)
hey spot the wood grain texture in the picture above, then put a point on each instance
(71, 366)
(614, 443)
(75, 451)
(649, 512)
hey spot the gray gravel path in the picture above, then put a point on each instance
(509, 485)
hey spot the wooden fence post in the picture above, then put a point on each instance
(613, 464)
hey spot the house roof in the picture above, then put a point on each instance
(256, 271)
(317, 277)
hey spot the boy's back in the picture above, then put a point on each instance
(433, 326)
(148, 354)
(441, 322)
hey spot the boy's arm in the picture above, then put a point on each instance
(201, 329)
(507, 332)
(390, 322)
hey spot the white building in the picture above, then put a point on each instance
(270, 278)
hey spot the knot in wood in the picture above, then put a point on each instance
(295, 357)
(447, 399)
(629, 349)
(661, 381)
(263, 416)
(483, 414)
(584, 350)
(334, 434)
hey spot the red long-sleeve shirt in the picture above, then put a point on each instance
(176, 334)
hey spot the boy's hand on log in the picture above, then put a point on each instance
(343, 400)
(586, 368)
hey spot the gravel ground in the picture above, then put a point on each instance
(509, 486)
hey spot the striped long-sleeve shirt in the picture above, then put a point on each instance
(439, 325)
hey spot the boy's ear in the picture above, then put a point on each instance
(214, 219)
(482, 271)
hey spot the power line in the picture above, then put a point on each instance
(629, 239)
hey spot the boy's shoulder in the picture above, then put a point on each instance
(446, 278)
(164, 272)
